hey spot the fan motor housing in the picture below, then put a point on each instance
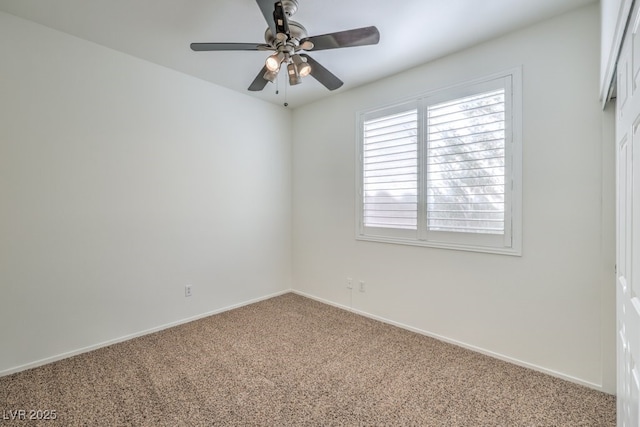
(296, 31)
(290, 7)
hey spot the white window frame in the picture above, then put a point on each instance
(509, 243)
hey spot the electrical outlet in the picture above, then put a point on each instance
(349, 283)
(187, 290)
(361, 285)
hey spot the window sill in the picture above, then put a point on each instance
(441, 245)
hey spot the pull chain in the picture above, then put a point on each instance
(286, 104)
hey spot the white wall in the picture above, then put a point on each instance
(120, 182)
(549, 309)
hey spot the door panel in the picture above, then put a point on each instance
(628, 226)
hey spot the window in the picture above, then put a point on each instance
(443, 169)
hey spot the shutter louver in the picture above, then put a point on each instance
(466, 164)
(390, 171)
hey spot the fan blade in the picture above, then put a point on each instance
(350, 38)
(259, 82)
(321, 74)
(280, 18)
(200, 47)
(267, 8)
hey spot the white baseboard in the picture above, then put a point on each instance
(499, 356)
(87, 349)
(490, 353)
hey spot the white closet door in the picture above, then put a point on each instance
(628, 225)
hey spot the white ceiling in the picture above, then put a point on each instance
(412, 32)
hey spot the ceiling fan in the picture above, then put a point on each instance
(287, 39)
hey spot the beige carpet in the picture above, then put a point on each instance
(293, 361)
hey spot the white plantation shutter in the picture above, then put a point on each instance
(466, 164)
(444, 169)
(390, 171)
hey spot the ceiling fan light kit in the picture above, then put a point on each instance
(273, 62)
(289, 40)
(270, 75)
(294, 75)
(301, 65)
